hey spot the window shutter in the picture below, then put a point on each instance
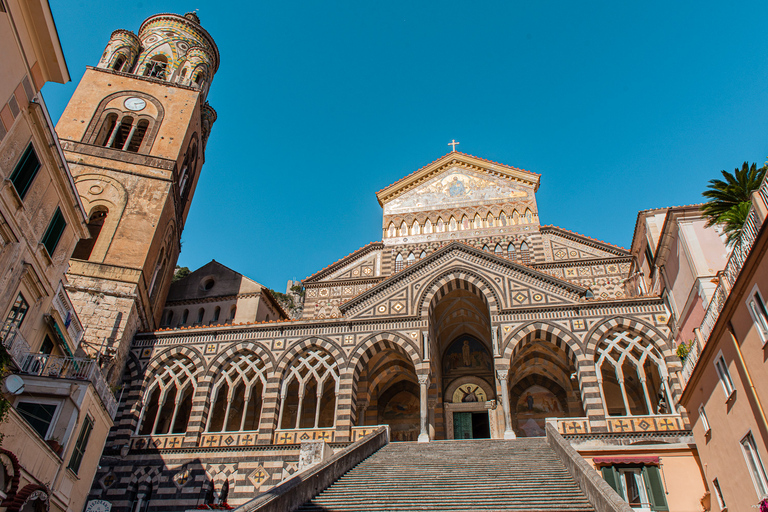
(25, 171)
(53, 233)
(612, 478)
(656, 494)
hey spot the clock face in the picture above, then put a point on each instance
(135, 104)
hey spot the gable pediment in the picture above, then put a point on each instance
(457, 180)
(363, 263)
(564, 245)
(511, 285)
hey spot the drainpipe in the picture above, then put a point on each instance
(749, 378)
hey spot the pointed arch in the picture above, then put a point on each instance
(427, 227)
(392, 230)
(489, 220)
(497, 250)
(525, 256)
(440, 225)
(478, 221)
(511, 251)
(416, 228)
(403, 229)
(515, 217)
(502, 219)
(452, 224)
(456, 278)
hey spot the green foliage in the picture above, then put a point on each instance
(729, 199)
(683, 349)
(5, 404)
(180, 273)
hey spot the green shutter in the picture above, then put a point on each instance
(82, 443)
(655, 488)
(53, 233)
(25, 171)
(611, 476)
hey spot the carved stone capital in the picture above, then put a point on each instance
(502, 374)
(423, 379)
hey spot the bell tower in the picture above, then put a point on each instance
(134, 134)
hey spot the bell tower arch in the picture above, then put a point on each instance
(134, 135)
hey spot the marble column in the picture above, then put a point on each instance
(508, 432)
(423, 433)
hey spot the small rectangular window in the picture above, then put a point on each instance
(39, 416)
(755, 465)
(53, 233)
(18, 311)
(80, 446)
(719, 494)
(759, 315)
(725, 376)
(704, 420)
(25, 171)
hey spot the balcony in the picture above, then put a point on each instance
(75, 368)
(727, 278)
(45, 365)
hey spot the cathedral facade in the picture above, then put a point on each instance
(468, 320)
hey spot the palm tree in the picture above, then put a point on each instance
(729, 199)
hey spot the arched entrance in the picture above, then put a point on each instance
(463, 384)
(543, 385)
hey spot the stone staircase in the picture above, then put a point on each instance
(517, 475)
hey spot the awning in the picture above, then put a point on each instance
(635, 461)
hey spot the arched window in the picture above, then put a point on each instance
(309, 390)
(478, 221)
(528, 216)
(200, 78)
(497, 250)
(200, 315)
(237, 393)
(84, 247)
(452, 224)
(416, 228)
(168, 400)
(183, 73)
(464, 222)
(216, 313)
(525, 256)
(411, 259)
(428, 227)
(119, 137)
(185, 317)
(423, 255)
(502, 219)
(107, 128)
(398, 262)
(489, 220)
(392, 231)
(515, 218)
(485, 248)
(440, 225)
(118, 65)
(511, 251)
(232, 312)
(632, 376)
(403, 229)
(157, 67)
(168, 318)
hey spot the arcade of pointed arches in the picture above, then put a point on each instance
(391, 383)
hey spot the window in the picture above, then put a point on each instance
(640, 486)
(725, 376)
(53, 233)
(398, 263)
(502, 219)
(82, 443)
(185, 317)
(719, 494)
(755, 465)
(25, 171)
(238, 396)
(216, 313)
(168, 401)
(759, 315)
(524, 254)
(118, 65)
(84, 247)
(403, 229)
(156, 67)
(232, 312)
(18, 311)
(415, 228)
(310, 390)
(511, 251)
(427, 227)
(411, 259)
(497, 250)
(704, 420)
(39, 416)
(423, 255)
(200, 315)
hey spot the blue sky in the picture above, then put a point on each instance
(320, 104)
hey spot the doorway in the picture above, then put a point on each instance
(471, 425)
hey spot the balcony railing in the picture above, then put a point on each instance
(14, 343)
(727, 279)
(45, 365)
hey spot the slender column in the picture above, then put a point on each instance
(301, 406)
(508, 432)
(423, 434)
(130, 136)
(282, 408)
(317, 407)
(114, 134)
